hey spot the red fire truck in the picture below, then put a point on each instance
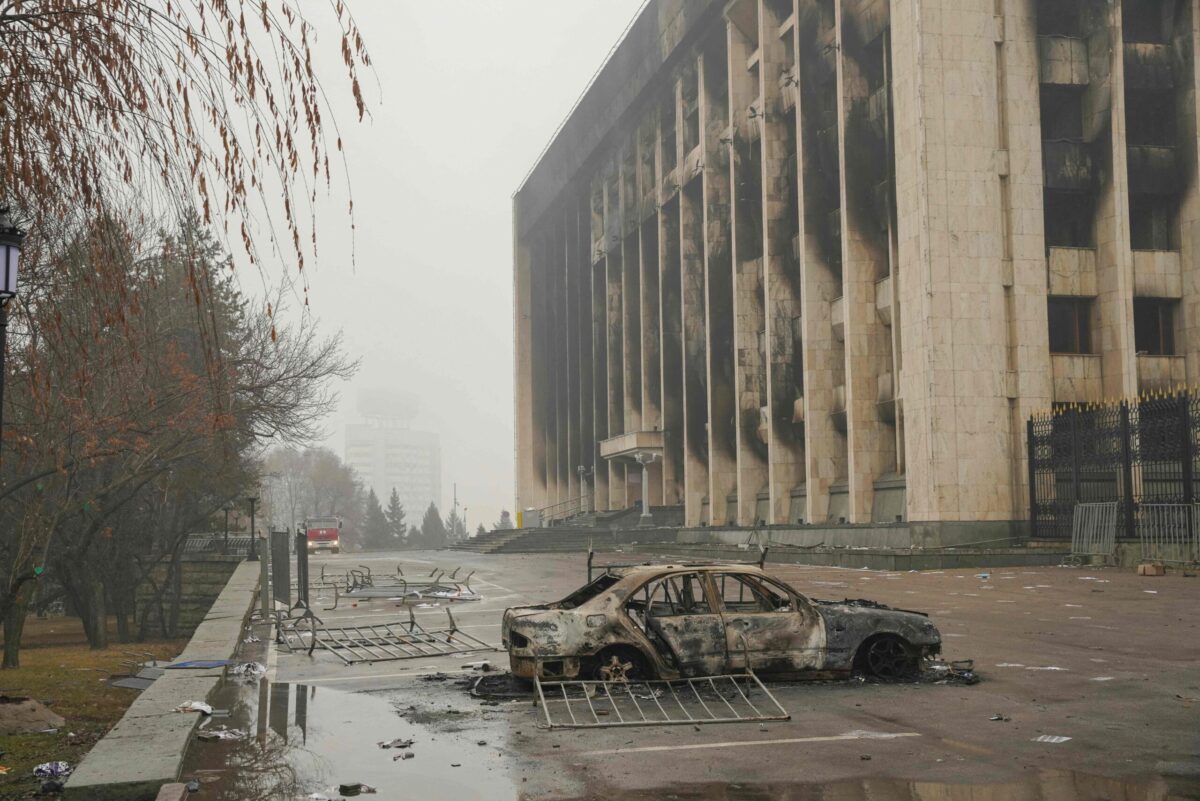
(323, 534)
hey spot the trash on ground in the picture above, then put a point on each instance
(249, 671)
(1047, 667)
(1050, 738)
(397, 743)
(1001, 718)
(52, 770)
(356, 788)
(958, 671)
(195, 706)
(221, 733)
(50, 787)
(193, 786)
(403, 755)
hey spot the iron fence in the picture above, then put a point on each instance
(1139, 455)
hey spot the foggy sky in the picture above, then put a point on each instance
(466, 95)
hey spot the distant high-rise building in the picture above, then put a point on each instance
(388, 454)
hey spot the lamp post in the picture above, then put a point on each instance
(253, 555)
(11, 238)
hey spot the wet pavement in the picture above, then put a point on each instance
(1103, 658)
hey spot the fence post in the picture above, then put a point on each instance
(1186, 457)
(301, 570)
(1029, 452)
(1127, 468)
(1074, 457)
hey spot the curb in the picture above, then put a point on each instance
(145, 749)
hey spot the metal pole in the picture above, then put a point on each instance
(3, 362)
(225, 547)
(1127, 469)
(1030, 450)
(253, 555)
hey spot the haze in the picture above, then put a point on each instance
(465, 95)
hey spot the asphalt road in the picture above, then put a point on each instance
(1106, 658)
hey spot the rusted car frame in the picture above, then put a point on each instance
(688, 620)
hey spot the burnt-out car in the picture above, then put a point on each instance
(670, 621)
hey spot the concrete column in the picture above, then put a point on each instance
(671, 323)
(819, 249)
(782, 295)
(651, 344)
(745, 177)
(617, 490)
(952, 285)
(871, 446)
(586, 366)
(525, 479)
(1189, 216)
(718, 275)
(599, 382)
(695, 333)
(1114, 253)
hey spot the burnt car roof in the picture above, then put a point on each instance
(627, 571)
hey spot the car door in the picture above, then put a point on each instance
(775, 627)
(682, 622)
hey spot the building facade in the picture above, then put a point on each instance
(818, 261)
(387, 455)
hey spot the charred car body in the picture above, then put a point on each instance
(670, 621)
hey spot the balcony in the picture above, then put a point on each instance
(630, 444)
(1149, 66)
(1076, 377)
(1062, 60)
(1160, 373)
(1068, 166)
(1157, 274)
(1072, 271)
(1154, 170)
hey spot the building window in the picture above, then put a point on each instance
(1154, 326)
(1152, 222)
(1068, 219)
(1070, 325)
(1062, 113)
(1058, 18)
(1150, 118)
(1145, 21)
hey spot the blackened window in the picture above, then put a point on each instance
(1150, 118)
(1062, 113)
(1152, 222)
(1058, 18)
(1154, 326)
(1145, 21)
(1070, 325)
(1069, 219)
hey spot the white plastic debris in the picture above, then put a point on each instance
(52, 770)
(1050, 738)
(194, 706)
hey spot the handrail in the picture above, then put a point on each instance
(562, 509)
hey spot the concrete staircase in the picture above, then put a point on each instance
(562, 540)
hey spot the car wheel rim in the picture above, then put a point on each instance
(888, 659)
(618, 669)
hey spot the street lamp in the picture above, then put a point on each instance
(11, 238)
(253, 555)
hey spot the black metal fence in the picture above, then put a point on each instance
(1135, 453)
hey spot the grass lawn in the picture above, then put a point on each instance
(58, 669)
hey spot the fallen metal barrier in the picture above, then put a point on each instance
(1094, 530)
(1169, 532)
(603, 704)
(382, 642)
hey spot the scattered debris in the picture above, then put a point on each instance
(50, 787)
(1050, 738)
(1048, 667)
(221, 733)
(52, 770)
(958, 671)
(198, 664)
(193, 786)
(355, 788)
(404, 755)
(195, 706)
(397, 743)
(249, 671)
(1000, 718)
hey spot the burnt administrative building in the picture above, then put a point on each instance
(818, 261)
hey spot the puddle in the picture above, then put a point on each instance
(305, 739)
(1042, 785)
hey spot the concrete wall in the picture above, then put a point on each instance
(188, 598)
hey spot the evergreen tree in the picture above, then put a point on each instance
(480, 530)
(433, 530)
(395, 518)
(505, 522)
(414, 538)
(456, 529)
(376, 532)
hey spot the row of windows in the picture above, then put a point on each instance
(1153, 325)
